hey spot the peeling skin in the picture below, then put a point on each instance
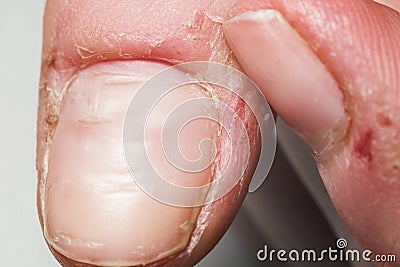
(185, 32)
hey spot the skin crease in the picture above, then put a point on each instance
(360, 171)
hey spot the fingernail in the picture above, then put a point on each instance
(94, 211)
(290, 75)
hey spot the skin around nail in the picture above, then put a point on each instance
(91, 211)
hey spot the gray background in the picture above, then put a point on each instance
(283, 214)
(21, 243)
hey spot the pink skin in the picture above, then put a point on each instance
(355, 136)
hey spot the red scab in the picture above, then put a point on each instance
(362, 147)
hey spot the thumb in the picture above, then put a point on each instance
(331, 69)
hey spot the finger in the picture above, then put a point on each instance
(96, 55)
(331, 69)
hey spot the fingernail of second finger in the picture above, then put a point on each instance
(289, 73)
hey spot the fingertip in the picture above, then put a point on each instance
(291, 76)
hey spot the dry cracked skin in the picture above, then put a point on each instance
(335, 57)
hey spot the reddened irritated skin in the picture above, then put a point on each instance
(96, 54)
